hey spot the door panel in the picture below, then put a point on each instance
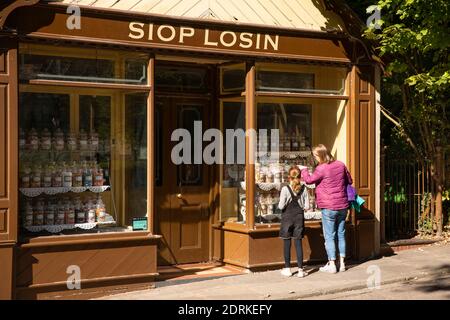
(184, 191)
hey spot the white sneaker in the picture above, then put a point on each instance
(286, 272)
(301, 273)
(342, 267)
(330, 268)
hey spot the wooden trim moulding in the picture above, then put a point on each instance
(90, 281)
(130, 44)
(46, 241)
(83, 84)
(300, 95)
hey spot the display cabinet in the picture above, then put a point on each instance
(82, 150)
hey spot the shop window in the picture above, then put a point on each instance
(301, 79)
(181, 79)
(301, 124)
(232, 176)
(82, 160)
(81, 69)
(232, 78)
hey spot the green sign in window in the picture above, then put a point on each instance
(140, 223)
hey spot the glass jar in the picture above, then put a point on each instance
(295, 143)
(93, 141)
(60, 214)
(59, 140)
(90, 212)
(70, 213)
(287, 142)
(50, 213)
(36, 177)
(100, 211)
(46, 140)
(270, 177)
(77, 176)
(47, 177)
(39, 213)
(25, 178)
(57, 179)
(28, 220)
(67, 176)
(83, 140)
(98, 177)
(22, 139)
(33, 140)
(72, 141)
(80, 214)
(87, 176)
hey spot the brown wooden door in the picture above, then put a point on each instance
(182, 191)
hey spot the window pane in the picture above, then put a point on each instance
(158, 145)
(44, 111)
(86, 69)
(301, 79)
(301, 124)
(135, 157)
(83, 163)
(181, 79)
(189, 174)
(233, 78)
(285, 81)
(232, 194)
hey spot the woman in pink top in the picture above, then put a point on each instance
(331, 178)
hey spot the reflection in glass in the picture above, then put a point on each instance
(189, 174)
(135, 157)
(33, 66)
(181, 79)
(232, 195)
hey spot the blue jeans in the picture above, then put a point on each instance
(332, 222)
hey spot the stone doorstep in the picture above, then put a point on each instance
(401, 245)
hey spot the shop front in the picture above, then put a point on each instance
(90, 187)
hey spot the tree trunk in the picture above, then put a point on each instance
(439, 181)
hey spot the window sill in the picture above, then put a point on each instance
(107, 237)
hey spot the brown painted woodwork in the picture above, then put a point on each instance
(43, 269)
(250, 144)
(8, 163)
(6, 11)
(182, 211)
(80, 84)
(151, 145)
(264, 249)
(361, 153)
(49, 21)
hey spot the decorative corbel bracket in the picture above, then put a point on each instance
(6, 11)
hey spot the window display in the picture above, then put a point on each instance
(82, 157)
(302, 123)
(275, 158)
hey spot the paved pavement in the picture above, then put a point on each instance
(429, 288)
(430, 263)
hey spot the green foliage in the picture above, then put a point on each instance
(414, 41)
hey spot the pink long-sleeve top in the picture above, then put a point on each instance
(331, 181)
